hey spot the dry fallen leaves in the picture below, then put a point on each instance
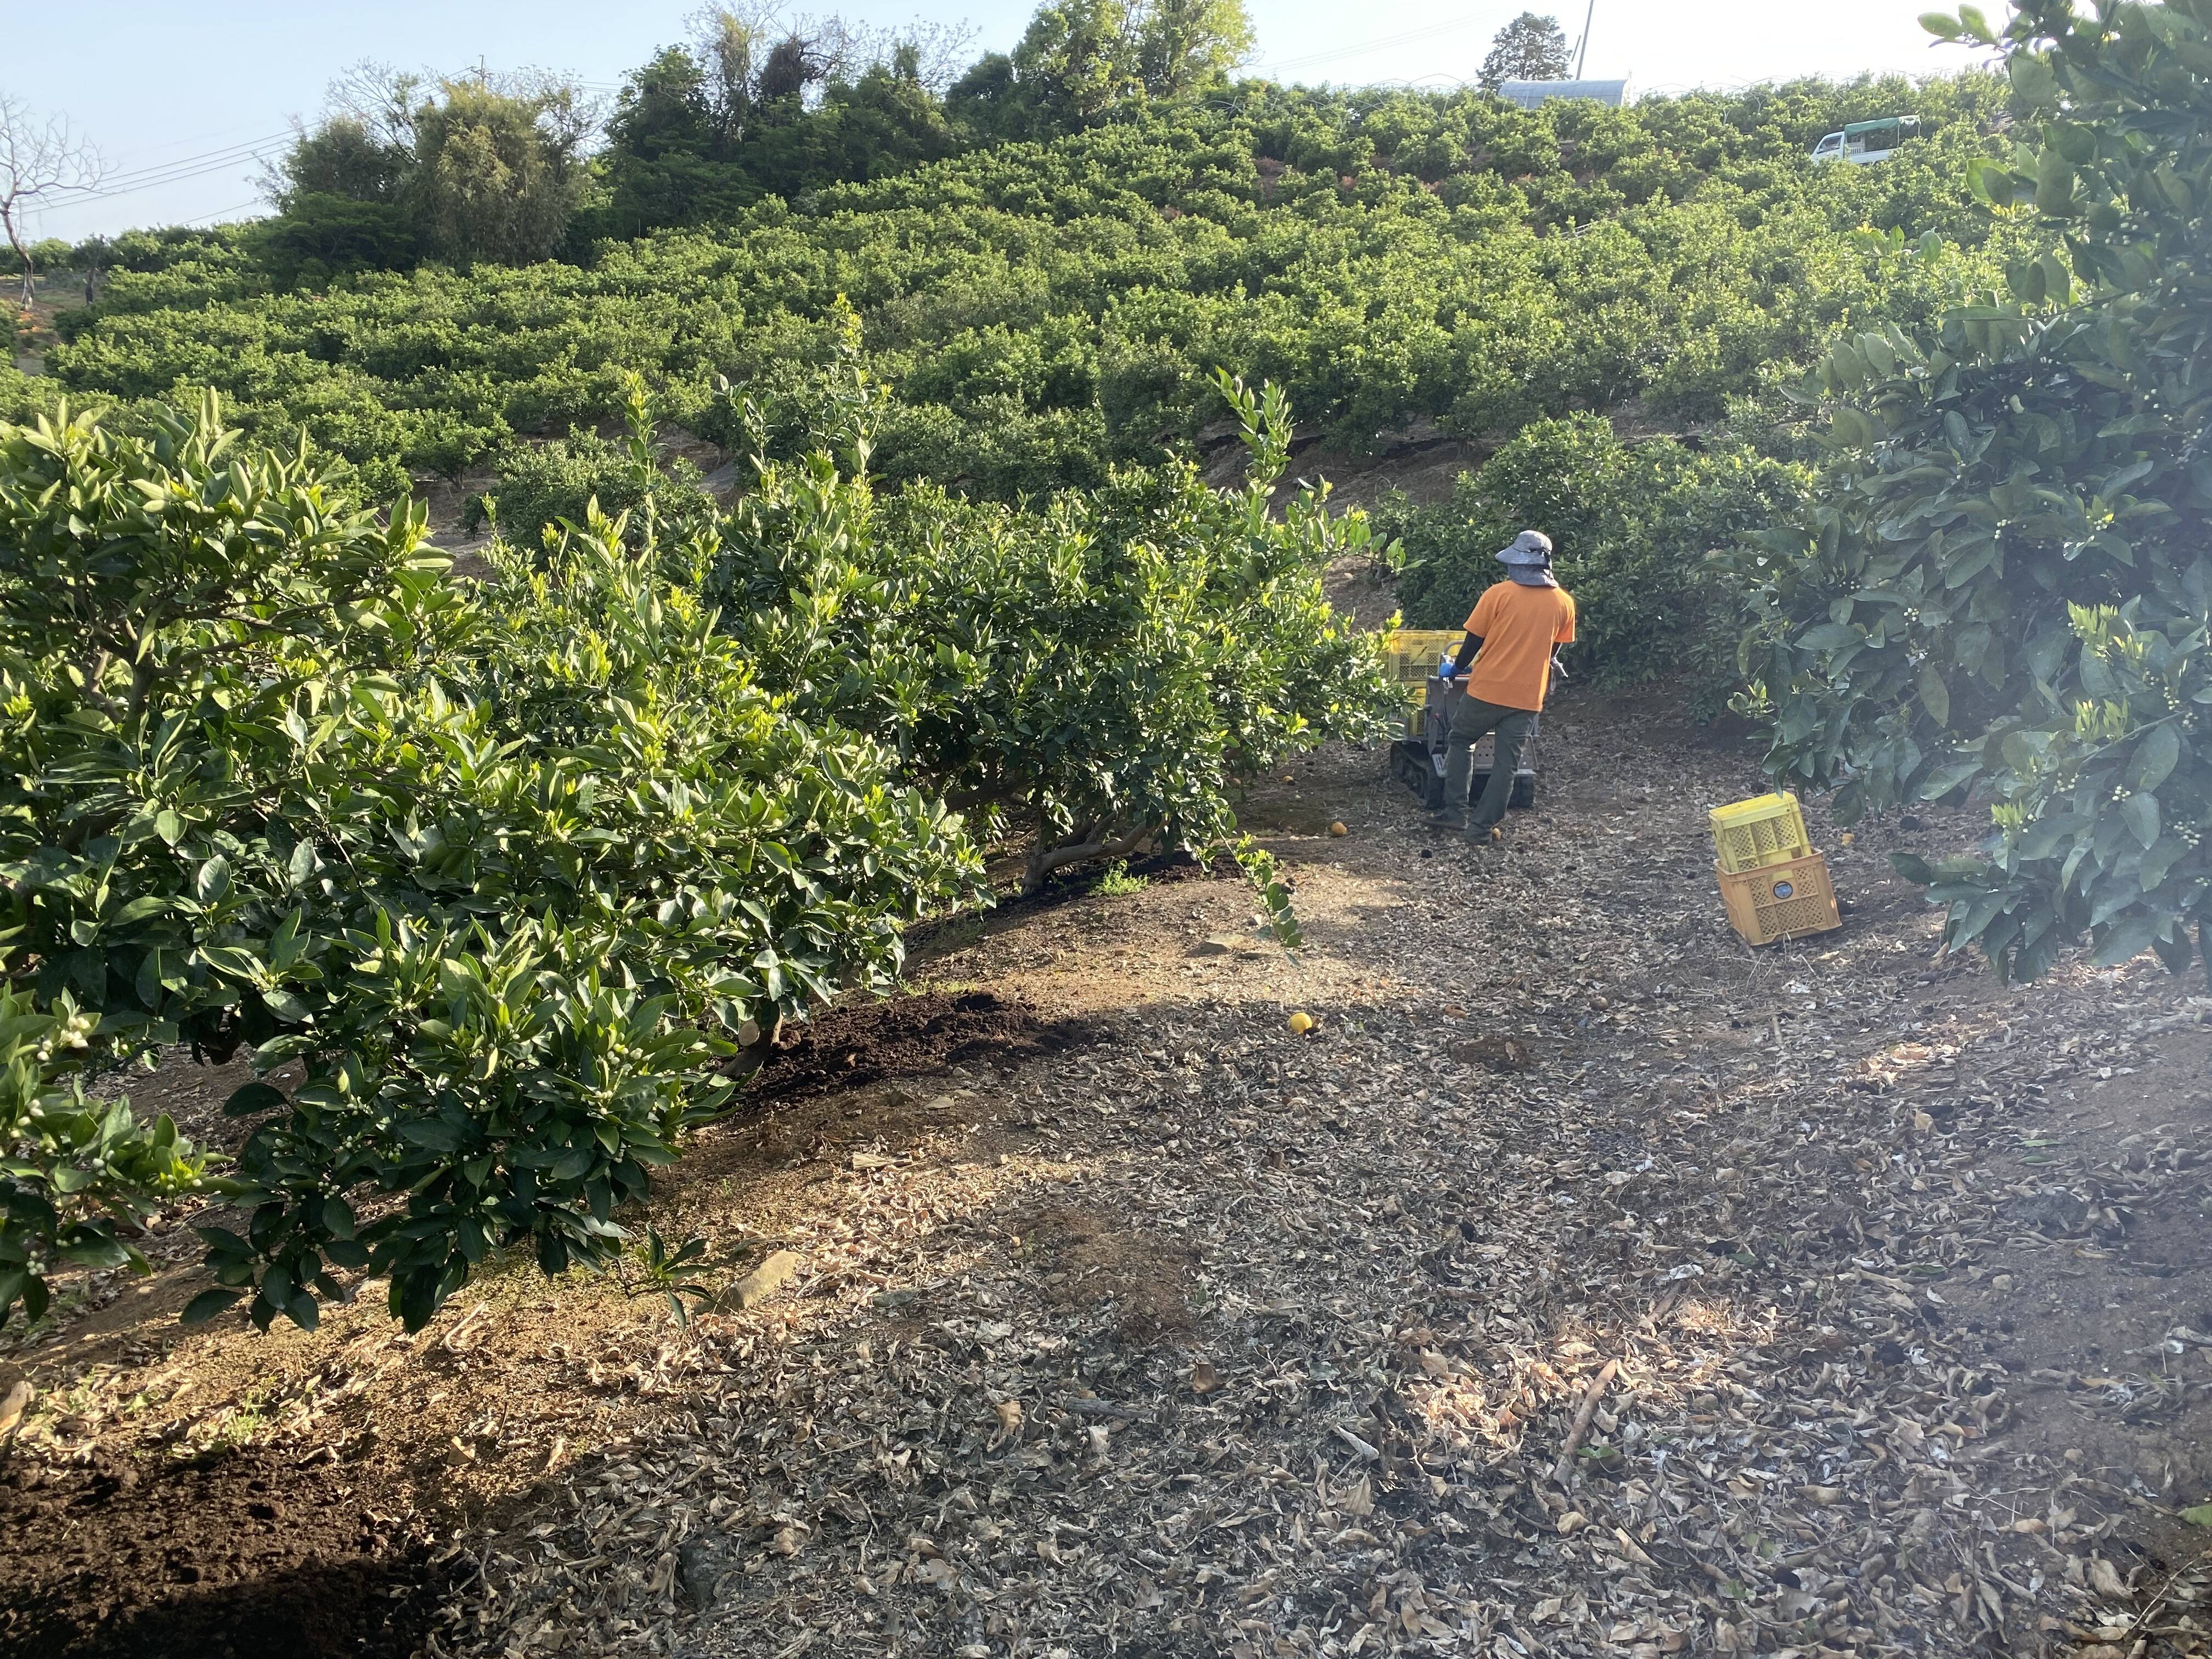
(1685, 1228)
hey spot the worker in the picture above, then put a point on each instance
(1518, 625)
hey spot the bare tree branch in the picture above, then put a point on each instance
(38, 160)
(381, 98)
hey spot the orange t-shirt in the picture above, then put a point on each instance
(1518, 626)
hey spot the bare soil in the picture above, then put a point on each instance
(1126, 1320)
(233, 1552)
(920, 1036)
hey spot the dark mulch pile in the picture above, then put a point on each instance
(235, 1557)
(868, 1042)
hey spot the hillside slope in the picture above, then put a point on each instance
(1042, 310)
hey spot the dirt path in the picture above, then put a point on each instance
(1213, 1339)
(1128, 1322)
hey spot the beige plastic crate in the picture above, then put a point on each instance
(1765, 830)
(1778, 902)
(1413, 652)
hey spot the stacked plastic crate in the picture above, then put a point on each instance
(1414, 655)
(1775, 885)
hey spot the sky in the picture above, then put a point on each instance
(182, 101)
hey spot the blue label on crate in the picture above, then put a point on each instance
(1782, 890)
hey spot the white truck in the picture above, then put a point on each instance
(1864, 142)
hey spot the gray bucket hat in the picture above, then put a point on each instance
(1530, 547)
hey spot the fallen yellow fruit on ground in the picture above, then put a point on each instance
(1847, 838)
(1301, 1022)
(1337, 829)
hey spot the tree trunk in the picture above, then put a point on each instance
(1093, 841)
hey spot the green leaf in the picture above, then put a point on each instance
(438, 1134)
(138, 909)
(2054, 182)
(2174, 950)
(2198, 1514)
(208, 1304)
(98, 1250)
(1944, 779)
(252, 1099)
(212, 880)
(2126, 940)
(1934, 695)
(2155, 758)
(1830, 637)
(289, 1007)
(2139, 811)
(2032, 79)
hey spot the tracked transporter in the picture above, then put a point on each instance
(1418, 660)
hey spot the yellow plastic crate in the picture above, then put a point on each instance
(1753, 834)
(1781, 901)
(1414, 652)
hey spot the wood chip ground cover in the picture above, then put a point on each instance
(1585, 1284)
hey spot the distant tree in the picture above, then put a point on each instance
(932, 56)
(986, 99)
(468, 169)
(340, 196)
(93, 256)
(496, 173)
(40, 159)
(881, 123)
(1529, 48)
(663, 105)
(760, 67)
(1080, 58)
(342, 156)
(670, 154)
(1182, 45)
(758, 102)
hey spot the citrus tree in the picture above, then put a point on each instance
(2006, 591)
(1094, 676)
(496, 883)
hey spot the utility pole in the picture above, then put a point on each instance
(1581, 53)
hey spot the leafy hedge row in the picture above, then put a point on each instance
(1092, 674)
(502, 884)
(1633, 527)
(2004, 591)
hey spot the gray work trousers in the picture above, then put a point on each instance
(1472, 719)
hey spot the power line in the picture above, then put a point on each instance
(189, 167)
(235, 207)
(211, 156)
(192, 141)
(246, 150)
(128, 174)
(132, 185)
